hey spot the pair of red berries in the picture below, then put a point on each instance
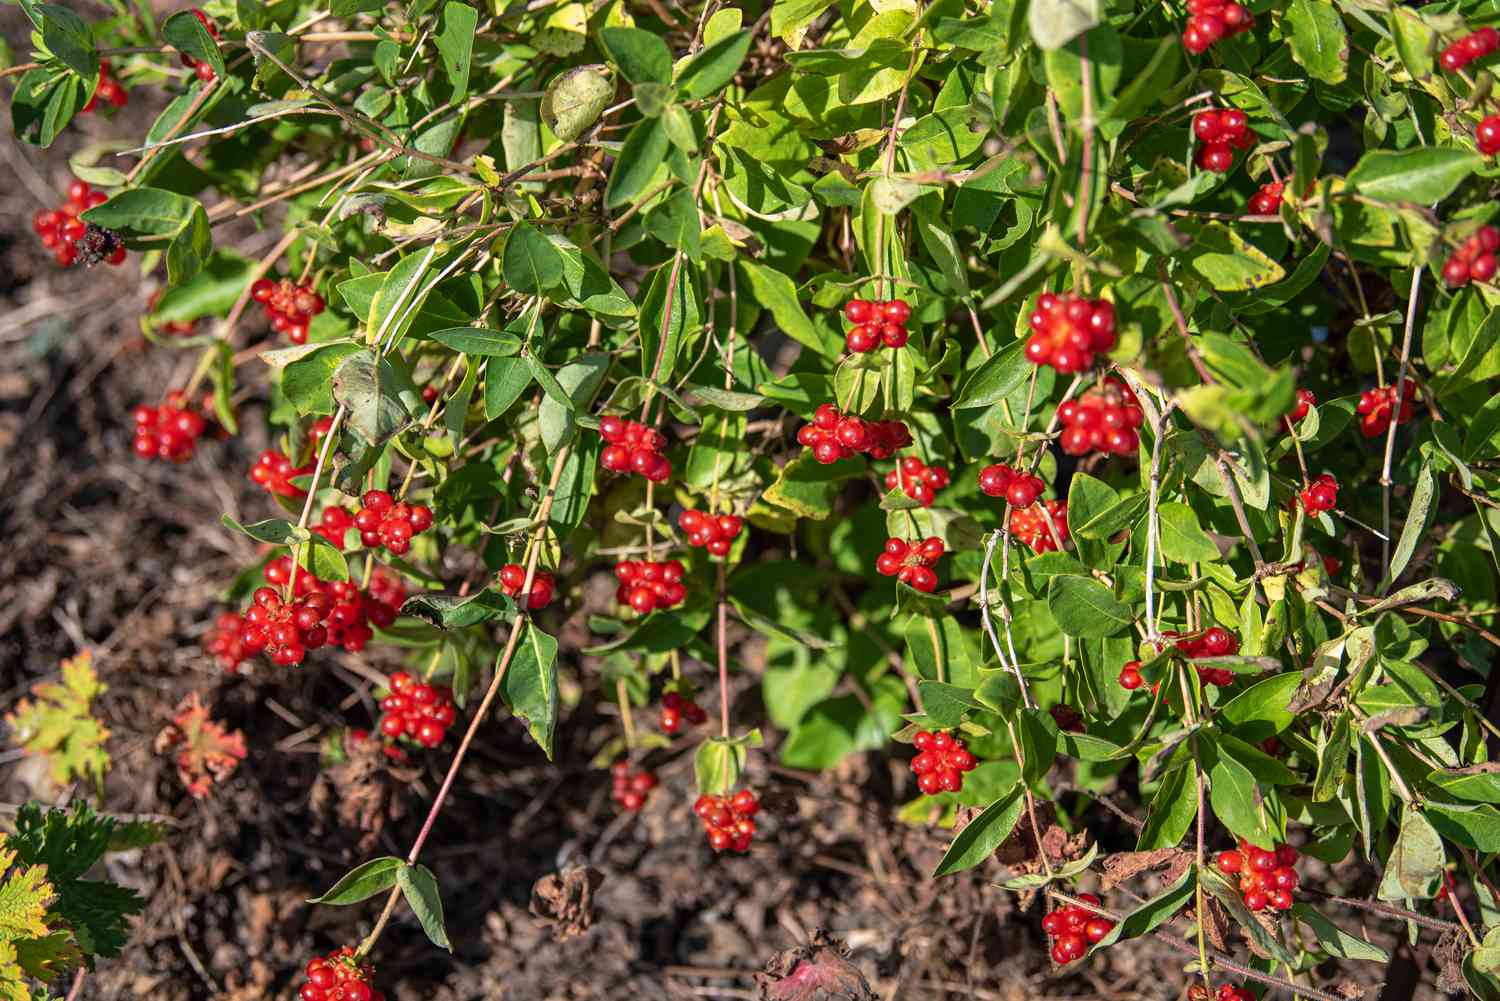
(382, 521)
(1073, 929)
(630, 788)
(716, 533)
(203, 71)
(1456, 55)
(289, 306)
(1105, 419)
(646, 586)
(876, 324)
(1377, 405)
(917, 480)
(1267, 200)
(72, 240)
(1019, 489)
(1211, 20)
(1067, 331)
(1030, 525)
(632, 447)
(942, 761)
(417, 711)
(675, 709)
(513, 577)
(1474, 260)
(274, 472)
(911, 562)
(729, 821)
(339, 976)
(168, 431)
(833, 435)
(1226, 992)
(1220, 133)
(109, 90)
(1322, 494)
(1266, 878)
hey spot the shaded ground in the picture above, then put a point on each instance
(128, 558)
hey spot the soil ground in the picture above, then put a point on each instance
(128, 559)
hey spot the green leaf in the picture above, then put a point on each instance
(675, 223)
(982, 835)
(996, 379)
(1171, 811)
(644, 151)
(1055, 23)
(448, 611)
(145, 212)
(778, 294)
(505, 379)
(67, 37)
(641, 55)
(1318, 40)
(478, 341)
(276, 531)
(1414, 868)
(717, 766)
(1422, 174)
(580, 380)
(1229, 262)
(362, 882)
(1335, 941)
(669, 313)
(710, 70)
(574, 101)
(770, 627)
(1236, 797)
(1182, 540)
(369, 389)
(531, 264)
(187, 35)
(1152, 914)
(1085, 607)
(419, 887)
(530, 686)
(1418, 519)
(455, 44)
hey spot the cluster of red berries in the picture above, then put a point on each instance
(1211, 20)
(833, 435)
(1216, 641)
(285, 629)
(632, 447)
(168, 431)
(917, 480)
(1375, 407)
(675, 708)
(1029, 525)
(1106, 418)
(202, 70)
(110, 90)
(1306, 400)
(1456, 55)
(334, 524)
(876, 324)
(911, 563)
(1019, 489)
(384, 522)
(274, 473)
(1067, 331)
(941, 761)
(631, 788)
(290, 307)
(1267, 879)
(1073, 929)
(72, 240)
(416, 710)
(1220, 132)
(716, 533)
(729, 821)
(646, 586)
(513, 577)
(339, 976)
(1474, 260)
(1322, 494)
(1267, 200)
(1226, 992)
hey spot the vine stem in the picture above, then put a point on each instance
(1153, 521)
(521, 622)
(661, 346)
(1036, 830)
(989, 626)
(1390, 431)
(723, 643)
(626, 722)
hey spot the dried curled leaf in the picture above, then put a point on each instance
(206, 753)
(820, 971)
(565, 900)
(57, 724)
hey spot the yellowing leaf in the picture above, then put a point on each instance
(564, 32)
(24, 896)
(58, 725)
